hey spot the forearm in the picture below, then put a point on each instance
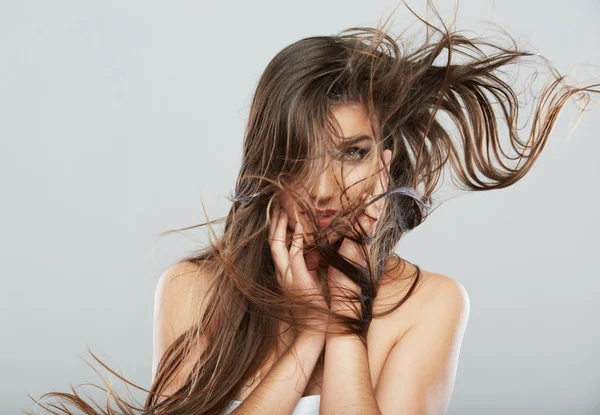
(280, 391)
(347, 384)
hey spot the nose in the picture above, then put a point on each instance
(322, 190)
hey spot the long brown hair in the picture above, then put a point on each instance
(404, 91)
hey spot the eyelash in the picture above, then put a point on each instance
(362, 151)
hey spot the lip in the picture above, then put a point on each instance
(325, 212)
(324, 221)
(323, 215)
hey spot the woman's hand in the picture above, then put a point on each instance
(292, 274)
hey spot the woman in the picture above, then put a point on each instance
(301, 305)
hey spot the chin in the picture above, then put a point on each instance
(334, 237)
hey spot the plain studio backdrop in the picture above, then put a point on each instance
(119, 118)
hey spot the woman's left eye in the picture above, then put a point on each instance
(357, 153)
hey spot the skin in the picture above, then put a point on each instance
(297, 273)
(419, 372)
(360, 162)
(411, 365)
(420, 368)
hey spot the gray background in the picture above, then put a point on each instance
(118, 118)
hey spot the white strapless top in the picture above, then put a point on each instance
(307, 405)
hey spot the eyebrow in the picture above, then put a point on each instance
(348, 141)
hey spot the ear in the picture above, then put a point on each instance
(387, 157)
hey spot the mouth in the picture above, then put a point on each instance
(324, 221)
(324, 213)
(324, 216)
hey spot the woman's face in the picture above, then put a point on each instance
(359, 160)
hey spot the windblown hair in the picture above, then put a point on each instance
(405, 92)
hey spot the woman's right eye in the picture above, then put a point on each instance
(356, 153)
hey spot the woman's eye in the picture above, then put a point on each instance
(356, 153)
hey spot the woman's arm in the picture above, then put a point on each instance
(280, 391)
(347, 385)
(419, 373)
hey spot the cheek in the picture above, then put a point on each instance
(357, 181)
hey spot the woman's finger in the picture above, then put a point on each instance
(273, 221)
(279, 250)
(367, 223)
(300, 272)
(339, 283)
(349, 248)
(296, 257)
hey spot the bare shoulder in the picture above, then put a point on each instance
(183, 278)
(179, 294)
(423, 356)
(433, 294)
(441, 289)
(444, 304)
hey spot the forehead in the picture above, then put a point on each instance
(352, 119)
